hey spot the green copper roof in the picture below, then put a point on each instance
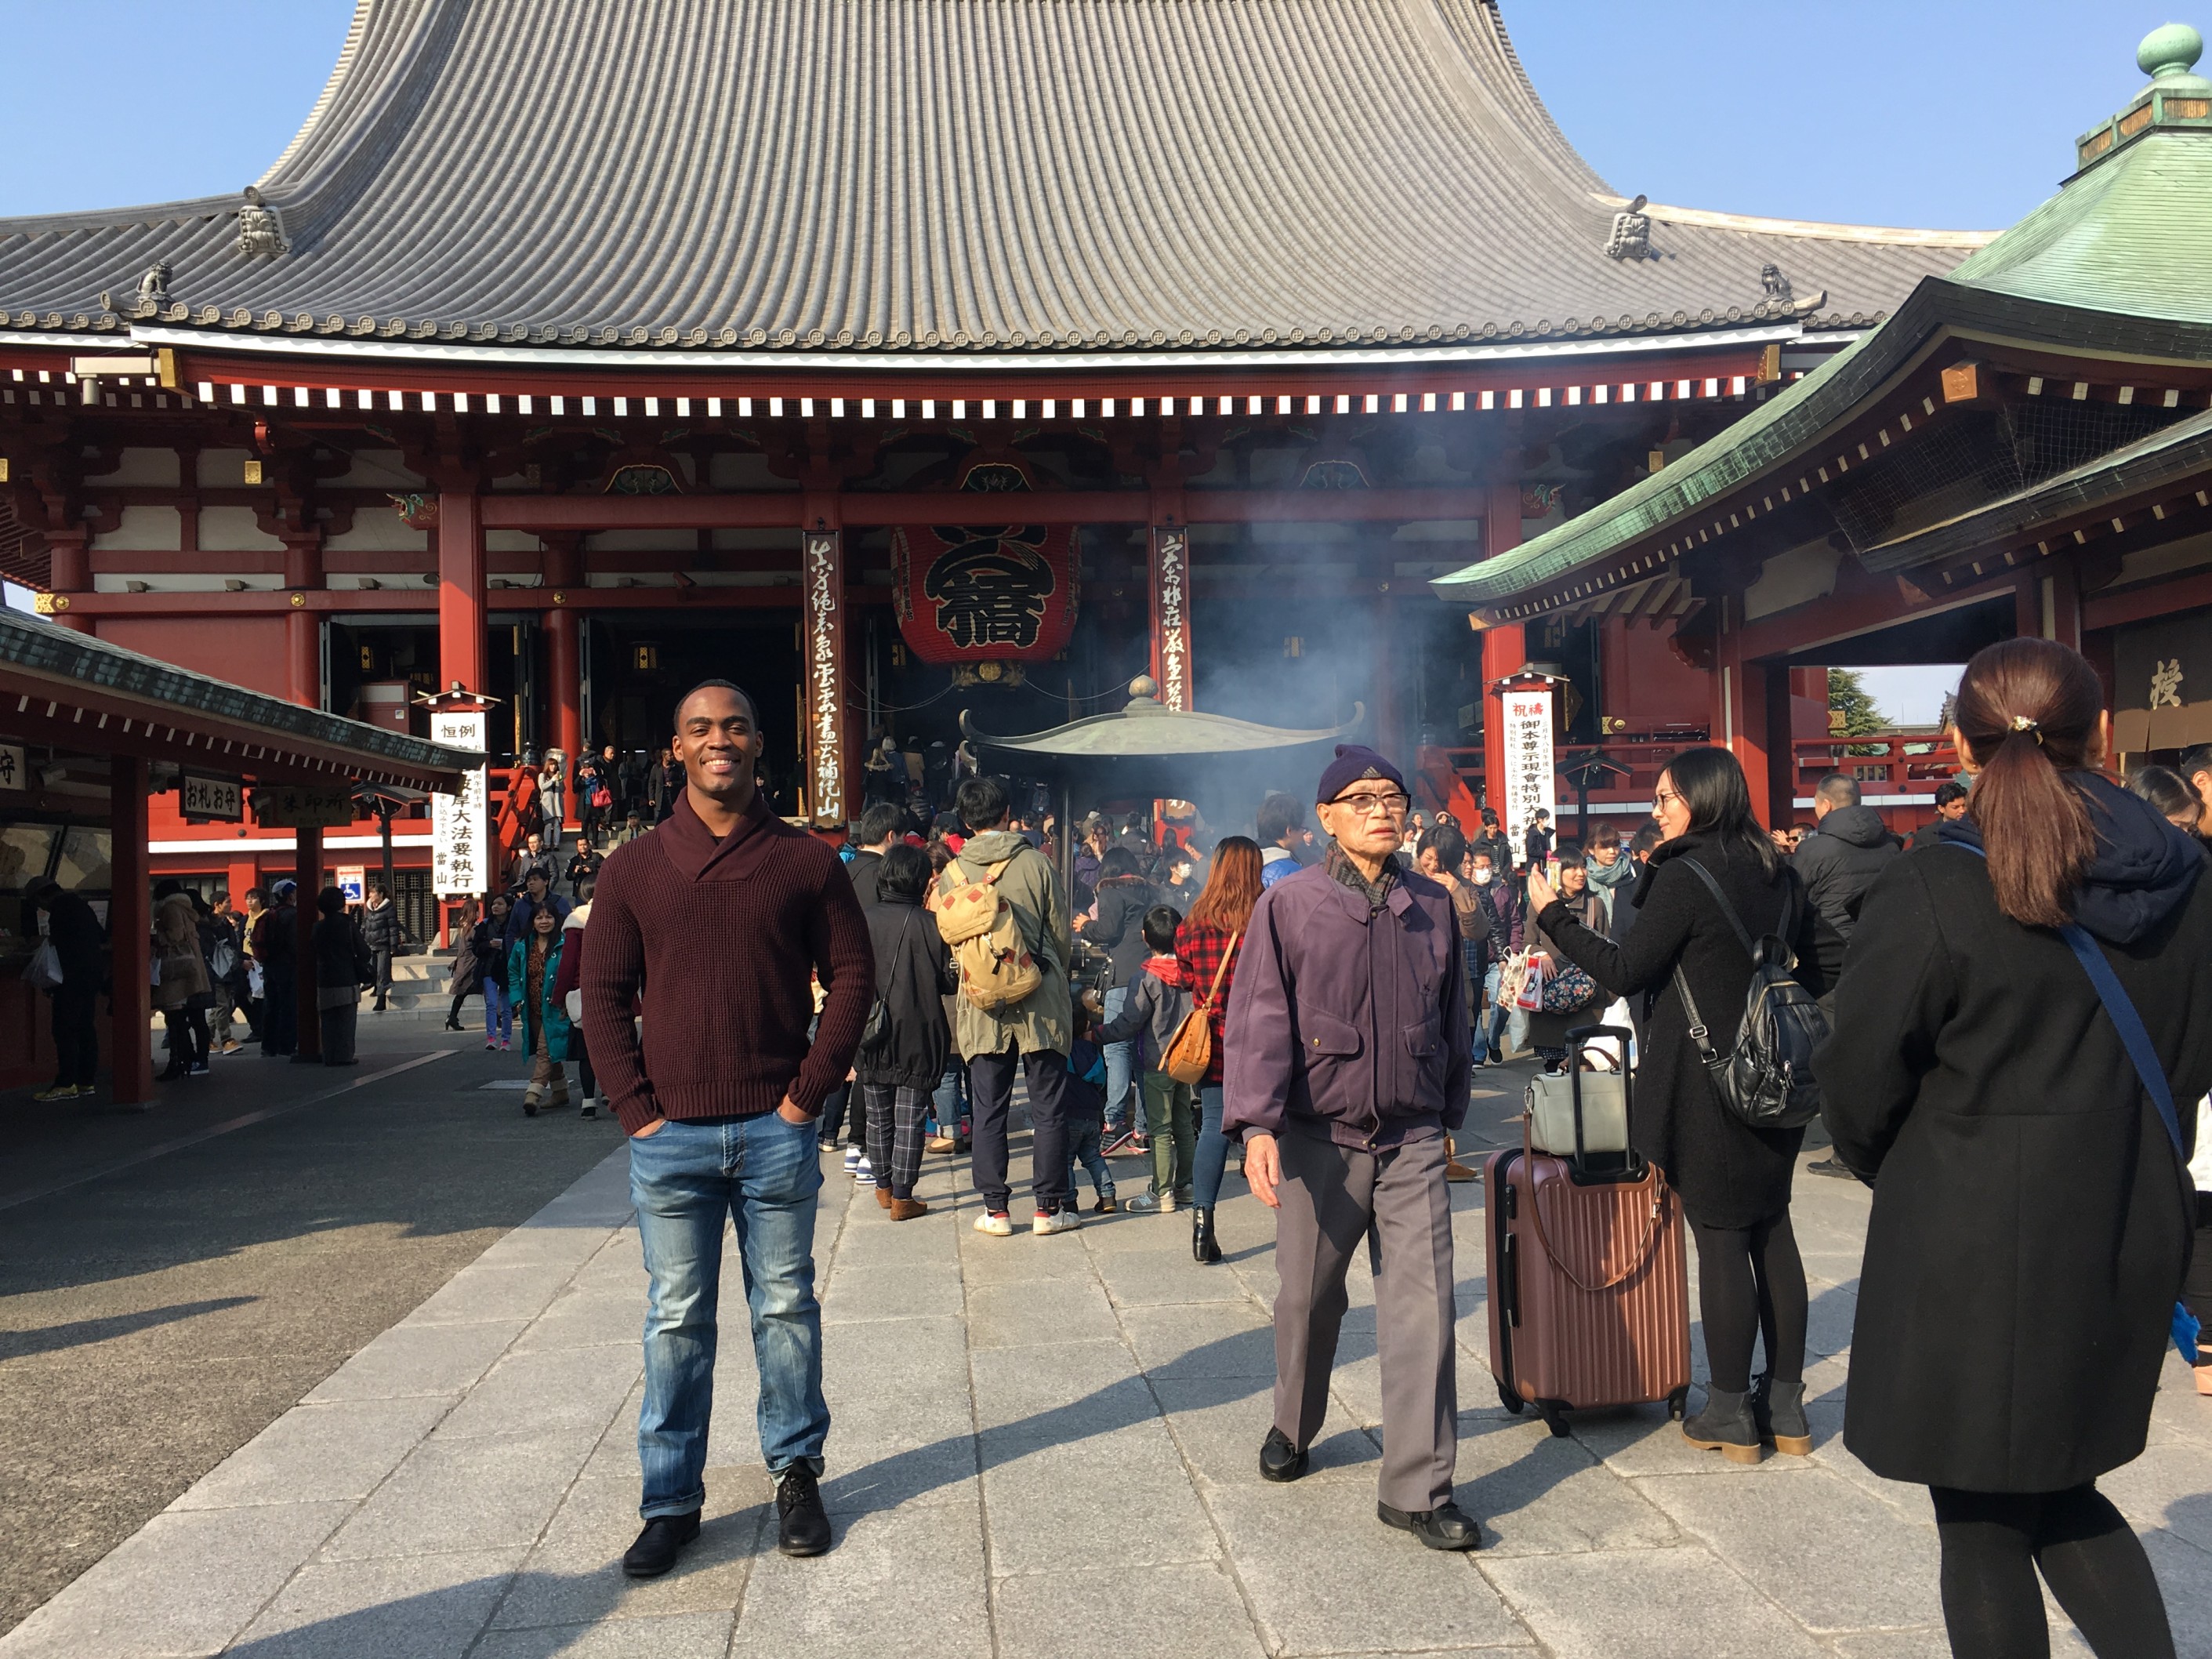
(2130, 235)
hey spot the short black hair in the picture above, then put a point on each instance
(1159, 927)
(1450, 846)
(879, 823)
(1539, 813)
(584, 889)
(2195, 760)
(982, 803)
(1646, 839)
(534, 873)
(752, 713)
(330, 902)
(1838, 789)
(1278, 815)
(1949, 791)
(906, 871)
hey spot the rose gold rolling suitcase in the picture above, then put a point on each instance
(1589, 1301)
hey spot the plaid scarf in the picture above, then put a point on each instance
(1343, 871)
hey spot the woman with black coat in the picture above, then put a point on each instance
(2031, 1216)
(897, 1073)
(1122, 897)
(343, 966)
(1734, 1180)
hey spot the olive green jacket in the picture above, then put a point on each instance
(1045, 1019)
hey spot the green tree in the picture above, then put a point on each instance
(1847, 697)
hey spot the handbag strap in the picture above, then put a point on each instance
(1642, 1250)
(1783, 928)
(2120, 1009)
(1221, 972)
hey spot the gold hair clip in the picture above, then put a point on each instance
(2033, 728)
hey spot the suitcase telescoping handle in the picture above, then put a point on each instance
(1577, 1039)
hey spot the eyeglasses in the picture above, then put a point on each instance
(1393, 805)
(1661, 797)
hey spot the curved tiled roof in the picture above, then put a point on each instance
(933, 174)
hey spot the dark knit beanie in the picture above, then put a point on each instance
(1353, 762)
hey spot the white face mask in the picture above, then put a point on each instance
(1482, 874)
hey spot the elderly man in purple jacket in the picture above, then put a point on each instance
(1346, 1061)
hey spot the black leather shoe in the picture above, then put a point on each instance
(1448, 1527)
(1831, 1165)
(1279, 1461)
(657, 1546)
(802, 1524)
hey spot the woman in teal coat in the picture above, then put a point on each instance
(533, 962)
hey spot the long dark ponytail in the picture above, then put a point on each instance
(2028, 711)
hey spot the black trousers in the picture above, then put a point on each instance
(991, 1092)
(187, 1030)
(340, 1027)
(280, 1014)
(77, 1038)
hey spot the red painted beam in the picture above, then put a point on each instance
(864, 509)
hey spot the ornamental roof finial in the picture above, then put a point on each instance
(2169, 51)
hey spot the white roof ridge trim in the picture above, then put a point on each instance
(1811, 229)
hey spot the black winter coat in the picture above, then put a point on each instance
(1120, 931)
(913, 975)
(1840, 863)
(1730, 1174)
(2031, 1224)
(340, 954)
(866, 869)
(73, 925)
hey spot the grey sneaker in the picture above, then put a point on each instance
(1148, 1204)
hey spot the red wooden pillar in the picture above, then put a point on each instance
(129, 931)
(1504, 647)
(822, 635)
(564, 653)
(460, 592)
(1751, 719)
(307, 872)
(303, 627)
(70, 572)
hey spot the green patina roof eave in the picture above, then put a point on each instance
(2105, 264)
(1145, 733)
(92, 662)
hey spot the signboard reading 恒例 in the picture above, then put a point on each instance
(460, 823)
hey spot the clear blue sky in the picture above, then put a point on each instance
(1943, 112)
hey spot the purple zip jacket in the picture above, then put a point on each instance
(1339, 1019)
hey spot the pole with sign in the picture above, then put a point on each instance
(460, 825)
(1525, 716)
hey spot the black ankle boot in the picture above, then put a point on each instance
(1778, 1413)
(452, 1024)
(1204, 1246)
(1725, 1425)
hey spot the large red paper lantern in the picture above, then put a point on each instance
(974, 593)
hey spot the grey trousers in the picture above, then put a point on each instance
(1331, 1196)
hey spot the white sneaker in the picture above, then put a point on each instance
(1066, 1221)
(851, 1160)
(864, 1175)
(995, 1223)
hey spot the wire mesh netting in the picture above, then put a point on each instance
(1980, 456)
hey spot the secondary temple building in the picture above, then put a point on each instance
(897, 360)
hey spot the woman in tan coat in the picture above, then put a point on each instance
(183, 991)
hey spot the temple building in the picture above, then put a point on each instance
(572, 354)
(2023, 448)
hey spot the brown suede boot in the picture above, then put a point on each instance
(884, 1196)
(905, 1209)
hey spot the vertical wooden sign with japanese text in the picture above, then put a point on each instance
(460, 828)
(823, 632)
(1170, 591)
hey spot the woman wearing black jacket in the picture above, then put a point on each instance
(2032, 1221)
(1733, 1179)
(913, 975)
(343, 966)
(1123, 896)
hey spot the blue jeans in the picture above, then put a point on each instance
(687, 1180)
(499, 1015)
(1083, 1147)
(1121, 1067)
(949, 1102)
(1212, 1158)
(1512, 1022)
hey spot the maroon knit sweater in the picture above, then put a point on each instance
(718, 939)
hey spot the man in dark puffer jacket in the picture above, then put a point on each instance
(1849, 847)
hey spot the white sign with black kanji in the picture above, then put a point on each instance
(15, 772)
(459, 864)
(1529, 781)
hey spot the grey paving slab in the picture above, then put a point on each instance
(420, 1360)
(1219, 1422)
(1645, 1604)
(900, 1582)
(553, 1389)
(1053, 1311)
(673, 1636)
(574, 1576)
(1122, 1499)
(1832, 1557)
(892, 1290)
(465, 1495)
(426, 1607)
(187, 1583)
(1199, 1340)
(493, 1293)
(1091, 1612)
(1326, 1576)
(316, 1453)
(1136, 1278)
(1536, 1494)
(606, 1315)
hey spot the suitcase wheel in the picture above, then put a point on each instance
(1678, 1404)
(1554, 1414)
(1512, 1401)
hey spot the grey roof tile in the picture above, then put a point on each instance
(904, 174)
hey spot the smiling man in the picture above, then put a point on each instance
(1347, 1062)
(718, 919)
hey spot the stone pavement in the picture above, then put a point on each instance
(1041, 1447)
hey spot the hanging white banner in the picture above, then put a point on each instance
(1529, 781)
(460, 864)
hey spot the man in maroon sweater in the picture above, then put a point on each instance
(713, 923)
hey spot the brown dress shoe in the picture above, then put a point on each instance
(905, 1209)
(940, 1143)
(883, 1197)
